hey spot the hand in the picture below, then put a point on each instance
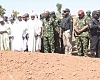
(36, 35)
(69, 36)
(42, 36)
(60, 35)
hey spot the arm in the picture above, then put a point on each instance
(71, 26)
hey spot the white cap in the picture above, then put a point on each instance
(32, 14)
(19, 15)
(5, 15)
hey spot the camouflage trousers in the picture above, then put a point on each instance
(82, 45)
(48, 43)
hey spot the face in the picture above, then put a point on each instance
(81, 15)
(2, 22)
(66, 13)
(53, 15)
(20, 18)
(5, 18)
(96, 16)
(47, 14)
(32, 17)
(88, 13)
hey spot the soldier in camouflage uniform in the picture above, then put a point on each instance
(47, 33)
(56, 31)
(88, 17)
(80, 35)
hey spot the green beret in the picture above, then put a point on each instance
(52, 12)
(88, 11)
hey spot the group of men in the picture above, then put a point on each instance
(49, 33)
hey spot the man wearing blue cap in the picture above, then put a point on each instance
(66, 29)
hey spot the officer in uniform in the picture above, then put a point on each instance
(80, 34)
(57, 22)
(48, 33)
(94, 27)
(66, 29)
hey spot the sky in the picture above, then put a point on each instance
(39, 6)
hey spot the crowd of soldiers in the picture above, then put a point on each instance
(49, 33)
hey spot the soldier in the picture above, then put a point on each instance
(57, 22)
(94, 26)
(80, 34)
(88, 16)
(47, 33)
(67, 28)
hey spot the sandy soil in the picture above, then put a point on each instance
(50, 66)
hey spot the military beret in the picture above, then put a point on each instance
(52, 12)
(88, 11)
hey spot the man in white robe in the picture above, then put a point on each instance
(17, 35)
(38, 35)
(31, 39)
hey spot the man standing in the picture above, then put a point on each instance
(47, 33)
(80, 34)
(4, 35)
(94, 26)
(57, 22)
(31, 30)
(17, 32)
(37, 35)
(88, 16)
(67, 28)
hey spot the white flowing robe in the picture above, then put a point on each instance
(38, 32)
(25, 29)
(18, 40)
(31, 39)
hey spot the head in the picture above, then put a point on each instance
(95, 14)
(42, 16)
(11, 20)
(88, 13)
(47, 14)
(5, 18)
(52, 14)
(63, 15)
(66, 11)
(19, 17)
(24, 17)
(81, 13)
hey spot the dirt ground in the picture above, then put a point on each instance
(48, 66)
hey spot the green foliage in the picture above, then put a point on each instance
(59, 6)
(2, 11)
(15, 13)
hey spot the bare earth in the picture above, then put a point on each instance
(40, 66)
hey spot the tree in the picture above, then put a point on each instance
(2, 11)
(15, 13)
(58, 13)
(59, 6)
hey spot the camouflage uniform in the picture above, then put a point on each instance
(82, 39)
(48, 40)
(56, 34)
